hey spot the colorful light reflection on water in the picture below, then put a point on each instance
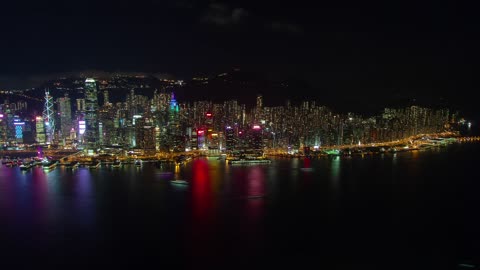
(238, 212)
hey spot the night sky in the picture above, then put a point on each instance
(364, 51)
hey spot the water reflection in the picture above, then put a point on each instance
(255, 194)
(200, 231)
(232, 211)
(7, 193)
(84, 199)
(202, 197)
(335, 169)
(39, 192)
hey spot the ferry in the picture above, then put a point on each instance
(332, 152)
(6, 160)
(179, 182)
(116, 164)
(48, 165)
(26, 166)
(249, 161)
(11, 164)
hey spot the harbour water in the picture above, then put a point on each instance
(409, 210)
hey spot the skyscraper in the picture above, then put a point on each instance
(65, 111)
(106, 99)
(48, 117)
(230, 139)
(3, 128)
(91, 107)
(145, 135)
(40, 127)
(174, 133)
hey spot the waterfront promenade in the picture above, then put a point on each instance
(407, 144)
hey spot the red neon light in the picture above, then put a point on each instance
(209, 114)
(256, 127)
(200, 132)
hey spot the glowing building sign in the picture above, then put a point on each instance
(19, 130)
(81, 127)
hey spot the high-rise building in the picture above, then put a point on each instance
(80, 105)
(65, 111)
(91, 107)
(106, 100)
(175, 138)
(230, 139)
(256, 139)
(3, 128)
(49, 117)
(145, 135)
(19, 127)
(40, 130)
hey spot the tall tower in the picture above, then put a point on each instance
(91, 107)
(259, 108)
(49, 117)
(106, 99)
(65, 110)
(40, 127)
(174, 133)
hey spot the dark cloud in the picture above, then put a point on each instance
(223, 15)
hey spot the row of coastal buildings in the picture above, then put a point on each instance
(161, 123)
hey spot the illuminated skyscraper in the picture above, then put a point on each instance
(49, 117)
(230, 139)
(259, 108)
(80, 105)
(106, 100)
(40, 127)
(91, 107)
(145, 135)
(174, 133)
(3, 128)
(65, 111)
(256, 139)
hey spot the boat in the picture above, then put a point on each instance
(138, 162)
(116, 164)
(249, 161)
(179, 182)
(11, 164)
(26, 166)
(6, 160)
(51, 164)
(334, 152)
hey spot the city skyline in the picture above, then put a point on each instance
(93, 122)
(365, 52)
(239, 134)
